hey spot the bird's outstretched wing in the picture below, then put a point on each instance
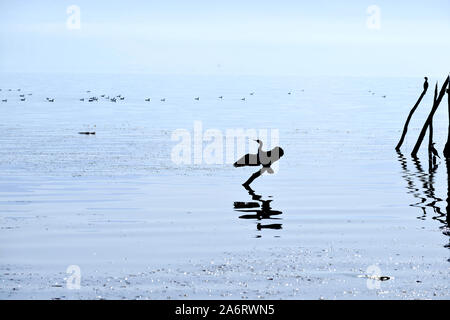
(248, 160)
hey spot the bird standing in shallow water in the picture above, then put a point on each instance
(262, 158)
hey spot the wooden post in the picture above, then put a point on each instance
(405, 127)
(447, 145)
(429, 119)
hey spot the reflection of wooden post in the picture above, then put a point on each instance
(448, 191)
(447, 145)
(405, 128)
(430, 129)
(430, 118)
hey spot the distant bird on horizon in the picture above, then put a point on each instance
(22, 99)
(147, 99)
(50, 100)
(243, 99)
(433, 150)
(425, 84)
(220, 97)
(262, 158)
(197, 98)
(163, 99)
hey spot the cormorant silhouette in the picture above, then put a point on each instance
(434, 151)
(425, 84)
(262, 158)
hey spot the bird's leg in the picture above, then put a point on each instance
(253, 177)
(256, 175)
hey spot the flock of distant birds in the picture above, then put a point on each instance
(119, 97)
(115, 98)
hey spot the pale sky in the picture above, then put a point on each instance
(304, 38)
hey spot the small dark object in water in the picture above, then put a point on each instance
(22, 99)
(5, 100)
(82, 99)
(252, 93)
(147, 99)
(243, 99)
(163, 99)
(289, 93)
(197, 98)
(86, 132)
(220, 97)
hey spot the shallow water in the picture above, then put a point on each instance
(117, 206)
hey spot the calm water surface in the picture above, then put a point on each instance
(115, 202)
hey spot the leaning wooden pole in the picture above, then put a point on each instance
(447, 145)
(429, 119)
(405, 127)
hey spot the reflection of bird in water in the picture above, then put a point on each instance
(275, 226)
(264, 158)
(434, 151)
(425, 84)
(259, 210)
